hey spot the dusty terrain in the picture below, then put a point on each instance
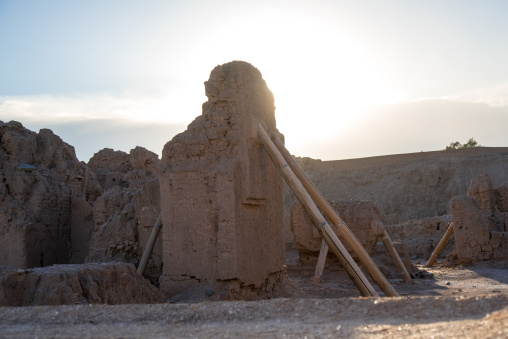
(455, 302)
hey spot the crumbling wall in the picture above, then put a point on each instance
(422, 236)
(481, 189)
(480, 228)
(364, 220)
(111, 283)
(221, 195)
(45, 199)
(501, 194)
(125, 214)
(110, 166)
(362, 217)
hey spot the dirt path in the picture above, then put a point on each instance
(474, 304)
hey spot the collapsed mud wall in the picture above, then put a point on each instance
(45, 199)
(480, 223)
(406, 186)
(110, 283)
(364, 220)
(125, 214)
(362, 217)
(422, 236)
(221, 196)
(53, 210)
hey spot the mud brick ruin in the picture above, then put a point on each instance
(363, 218)
(221, 195)
(222, 202)
(44, 194)
(480, 222)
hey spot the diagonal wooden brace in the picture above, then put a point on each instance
(343, 229)
(440, 246)
(318, 220)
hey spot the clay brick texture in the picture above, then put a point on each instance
(221, 195)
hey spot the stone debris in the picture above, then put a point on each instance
(221, 195)
(109, 283)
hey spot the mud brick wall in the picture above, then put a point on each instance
(480, 222)
(362, 217)
(45, 199)
(221, 196)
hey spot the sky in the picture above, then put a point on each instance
(351, 79)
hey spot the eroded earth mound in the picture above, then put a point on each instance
(107, 283)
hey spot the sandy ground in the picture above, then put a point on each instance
(457, 302)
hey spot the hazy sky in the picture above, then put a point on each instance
(350, 78)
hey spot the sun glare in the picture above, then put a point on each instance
(321, 87)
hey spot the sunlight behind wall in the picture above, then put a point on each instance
(321, 79)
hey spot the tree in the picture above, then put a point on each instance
(453, 145)
(471, 143)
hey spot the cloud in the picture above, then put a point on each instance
(495, 95)
(93, 122)
(169, 106)
(427, 125)
(90, 136)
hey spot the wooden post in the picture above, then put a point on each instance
(317, 219)
(149, 245)
(440, 246)
(323, 252)
(344, 230)
(395, 256)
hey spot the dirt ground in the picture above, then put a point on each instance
(449, 303)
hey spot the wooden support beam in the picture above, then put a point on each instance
(343, 229)
(385, 238)
(323, 252)
(149, 245)
(440, 246)
(318, 220)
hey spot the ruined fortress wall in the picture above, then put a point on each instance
(480, 226)
(45, 197)
(221, 195)
(123, 217)
(407, 186)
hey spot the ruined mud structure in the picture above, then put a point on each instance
(57, 210)
(222, 197)
(480, 222)
(364, 220)
(45, 199)
(126, 212)
(106, 283)
(74, 233)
